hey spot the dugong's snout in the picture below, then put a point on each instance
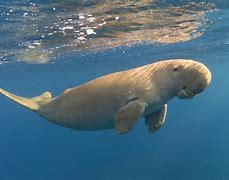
(196, 78)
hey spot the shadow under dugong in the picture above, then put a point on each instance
(120, 99)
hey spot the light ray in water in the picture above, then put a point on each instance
(39, 32)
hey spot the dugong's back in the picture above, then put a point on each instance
(93, 105)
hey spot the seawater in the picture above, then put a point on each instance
(193, 142)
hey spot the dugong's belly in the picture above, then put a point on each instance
(89, 111)
(88, 117)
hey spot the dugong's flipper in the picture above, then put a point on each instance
(30, 103)
(155, 120)
(128, 115)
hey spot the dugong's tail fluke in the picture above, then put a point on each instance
(30, 103)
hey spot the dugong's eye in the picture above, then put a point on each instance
(175, 68)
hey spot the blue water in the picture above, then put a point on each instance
(191, 145)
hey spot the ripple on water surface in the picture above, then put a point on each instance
(39, 32)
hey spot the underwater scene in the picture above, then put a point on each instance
(54, 45)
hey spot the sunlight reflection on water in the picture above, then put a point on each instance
(39, 32)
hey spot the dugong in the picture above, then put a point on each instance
(120, 99)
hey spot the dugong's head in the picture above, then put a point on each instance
(187, 77)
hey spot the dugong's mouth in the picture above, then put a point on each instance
(185, 93)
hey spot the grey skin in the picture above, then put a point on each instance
(120, 99)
